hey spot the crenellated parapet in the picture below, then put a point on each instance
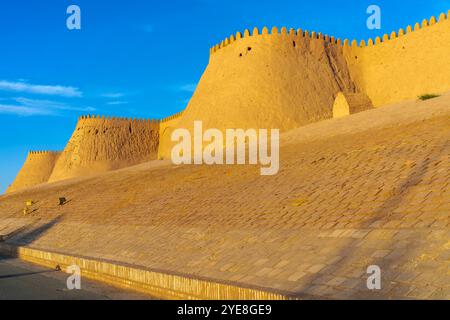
(108, 118)
(172, 117)
(137, 120)
(274, 31)
(43, 152)
(402, 32)
(299, 33)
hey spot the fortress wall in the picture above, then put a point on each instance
(37, 169)
(282, 79)
(100, 144)
(404, 64)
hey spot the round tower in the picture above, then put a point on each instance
(37, 169)
(267, 80)
(100, 144)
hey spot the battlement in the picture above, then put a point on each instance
(274, 31)
(108, 118)
(44, 152)
(172, 117)
(401, 32)
(299, 33)
(102, 117)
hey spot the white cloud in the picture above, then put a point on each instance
(116, 103)
(22, 111)
(48, 105)
(113, 95)
(32, 107)
(40, 89)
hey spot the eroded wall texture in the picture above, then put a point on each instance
(100, 144)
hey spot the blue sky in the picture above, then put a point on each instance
(139, 58)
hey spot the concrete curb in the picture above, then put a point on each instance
(156, 284)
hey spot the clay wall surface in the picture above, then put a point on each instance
(405, 64)
(282, 79)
